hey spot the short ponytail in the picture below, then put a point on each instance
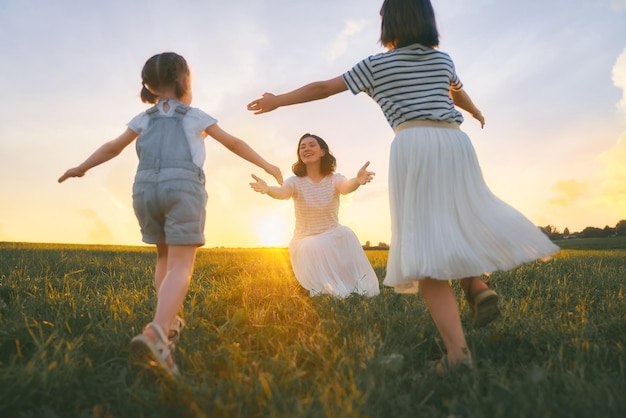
(147, 96)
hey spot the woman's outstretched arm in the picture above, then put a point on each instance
(362, 177)
(307, 93)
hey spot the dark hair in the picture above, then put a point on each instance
(407, 22)
(163, 70)
(328, 162)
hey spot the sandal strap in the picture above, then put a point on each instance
(159, 331)
(485, 294)
(162, 348)
(159, 350)
(177, 326)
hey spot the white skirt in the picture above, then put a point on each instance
(445, 222)
(334, 263)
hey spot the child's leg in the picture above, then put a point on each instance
(444, 310)
(159, 274)
(173, 287)
(161, 266)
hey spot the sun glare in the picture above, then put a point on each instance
(273, 232)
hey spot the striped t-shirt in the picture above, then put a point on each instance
(316, 204)
(408, 83)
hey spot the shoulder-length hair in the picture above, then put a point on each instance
(407, 22)
(328, 163)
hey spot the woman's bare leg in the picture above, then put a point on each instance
(444, 310)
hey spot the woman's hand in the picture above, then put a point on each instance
(259, 185)
(364, 176)
(480, 118)
(266, 103)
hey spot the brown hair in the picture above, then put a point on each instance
(163, 70)
(407, 22)
(328, 162)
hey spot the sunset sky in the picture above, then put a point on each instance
(549, 76)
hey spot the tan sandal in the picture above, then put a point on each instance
(156, 353)
(483, 307)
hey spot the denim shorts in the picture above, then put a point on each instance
(170, 206)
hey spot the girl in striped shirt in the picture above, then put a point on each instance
(446, 223)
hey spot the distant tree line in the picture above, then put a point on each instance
(380, 246)
(589, 232)
(552, 232)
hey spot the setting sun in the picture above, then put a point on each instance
(273, 232)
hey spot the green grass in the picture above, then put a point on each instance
(256, 345)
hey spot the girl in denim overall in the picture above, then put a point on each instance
(169, 197)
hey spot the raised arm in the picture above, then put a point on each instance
(312, 91)
(462, 100)
(362, 177)
(242, 149)
(283, 192)
(103, 154)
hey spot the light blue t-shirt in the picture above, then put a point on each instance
(194, 124)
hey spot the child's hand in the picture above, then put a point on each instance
(364, 176)
(72, 172)
(275, 172)
(267, 103)
(260, 185)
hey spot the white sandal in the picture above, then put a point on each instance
(177, 326)
(155, 352)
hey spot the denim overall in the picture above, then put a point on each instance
(169, 195)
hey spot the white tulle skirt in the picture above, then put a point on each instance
(333, 262)
(446, 223)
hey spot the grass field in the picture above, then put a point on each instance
(256, 345)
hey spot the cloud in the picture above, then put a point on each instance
(351, 28)
(568, 191)
(619, 77)
(606, 192)
(613, 175)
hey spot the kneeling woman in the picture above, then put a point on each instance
(326, 257)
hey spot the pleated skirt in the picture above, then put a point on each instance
(333, 263)
(445, 222)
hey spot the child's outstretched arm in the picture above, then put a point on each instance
(462, 100)
(313, 91)
(362, 177)
(242, 149)
(103, 154)
(283, 192)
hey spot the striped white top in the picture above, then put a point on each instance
(408, 83)
(316, 204)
